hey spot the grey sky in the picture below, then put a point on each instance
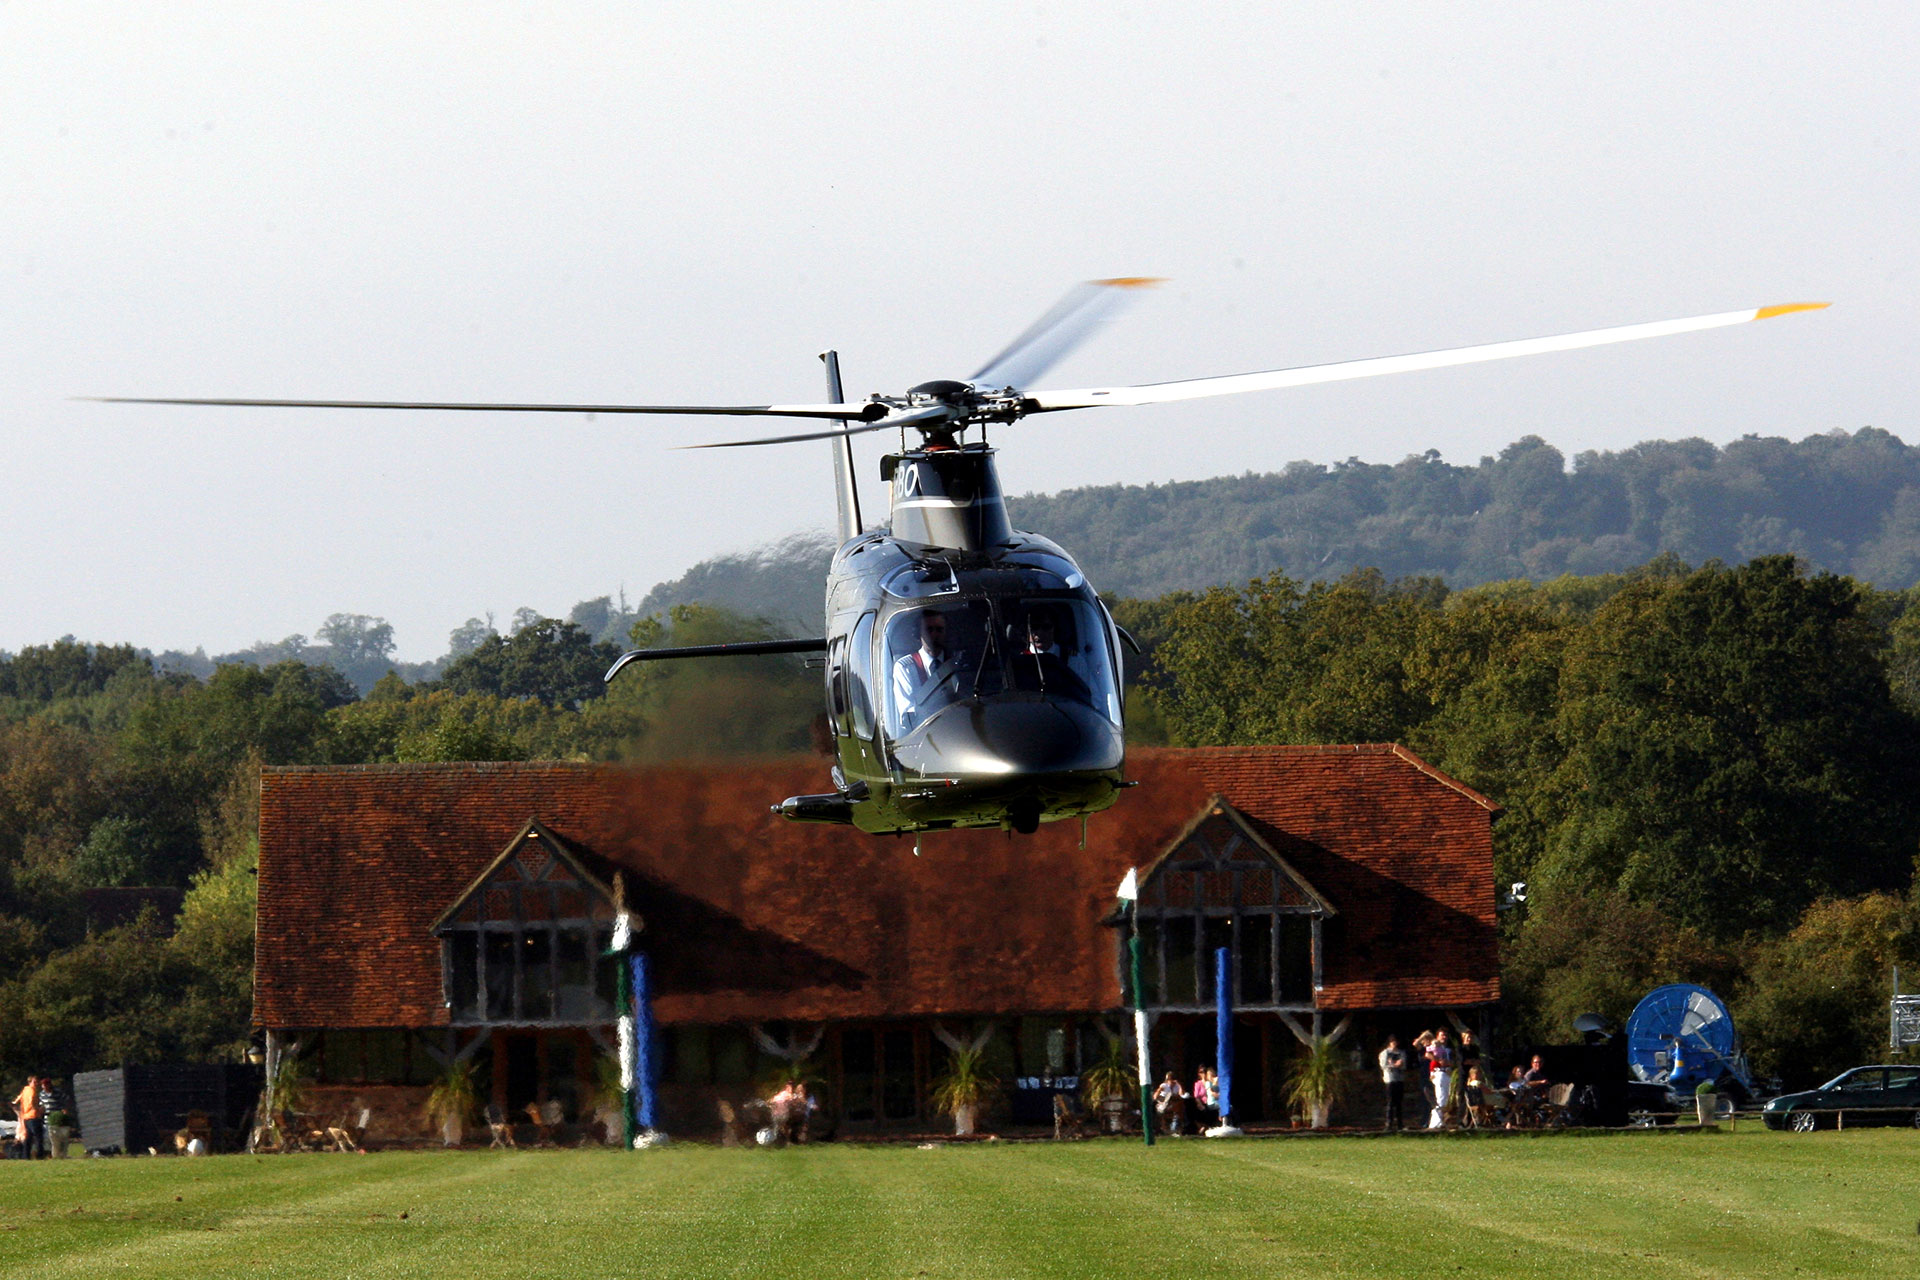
(684, 203)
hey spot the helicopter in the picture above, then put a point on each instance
(973, 674)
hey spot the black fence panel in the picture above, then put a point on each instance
(134, 1108)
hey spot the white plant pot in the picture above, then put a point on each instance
(452, 1131)
(963, 1118)
(1319, 1112)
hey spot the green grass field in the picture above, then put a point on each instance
(1641, 1205)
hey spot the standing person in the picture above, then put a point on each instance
(1417, 1052)
(1170, 1100)
(1393, 1073)
(1440, 1072)
(33, 1119)
(1469, 1054)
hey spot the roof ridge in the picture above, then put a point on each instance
(1445, 779)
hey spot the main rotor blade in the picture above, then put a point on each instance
(856, 412)
(911, 418)
(1072, 321)
(1309, 375)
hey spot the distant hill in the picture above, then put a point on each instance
(1848, 502)
(781, 581)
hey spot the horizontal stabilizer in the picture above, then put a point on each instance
(740, 649)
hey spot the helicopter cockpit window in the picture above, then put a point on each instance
(933, 658)
(1059, 647)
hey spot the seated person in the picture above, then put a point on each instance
(1536, 1077)
(1038, 665)
(917, 675)
(1519, 1097)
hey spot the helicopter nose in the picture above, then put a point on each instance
(1005, 738)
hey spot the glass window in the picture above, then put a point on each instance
(860, 677)
(1296, 959)
(1058, 646)
(1256, 959)
(933, 658)
(499, 975)
(1868, 1081)
(1183, 975)
(572, 975)
(463, 992)
(1216, 932)
(536, 975)
(1906, 1079)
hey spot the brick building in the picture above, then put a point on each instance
(410, 915)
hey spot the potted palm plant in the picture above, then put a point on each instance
(59, 1133)
(451, 1103)
(1316, 1081)
(1706, 1102)
(283, 1099)
(1108, 1084)
(605, 1102)
(965, 1089)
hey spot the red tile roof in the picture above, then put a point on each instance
(749, 916)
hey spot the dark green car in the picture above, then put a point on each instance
(1862, 1096)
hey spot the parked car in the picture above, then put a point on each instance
(1864, 1095)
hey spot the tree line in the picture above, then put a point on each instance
(1707, 775)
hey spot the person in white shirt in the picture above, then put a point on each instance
(914, 673)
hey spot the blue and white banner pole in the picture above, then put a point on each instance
(1129, 891)
(1223, 1040)
(646, 1055)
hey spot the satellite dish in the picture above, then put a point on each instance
(1595, 1027)
(1681, 1036)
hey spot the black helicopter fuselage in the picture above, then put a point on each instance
(973, 675)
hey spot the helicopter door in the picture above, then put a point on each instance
(860, 678)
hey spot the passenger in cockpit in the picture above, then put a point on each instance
(1038, 666)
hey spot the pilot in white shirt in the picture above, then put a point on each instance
(913, 671)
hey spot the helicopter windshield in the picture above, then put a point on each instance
(1054, 646)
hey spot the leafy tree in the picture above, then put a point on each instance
(1281, 663)
(65, 669)
(1599, 953)
(358, 647)
(1733, 750)
(470, 635)
(1815, 1001)
(554, 662)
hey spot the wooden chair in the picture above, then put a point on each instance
(498, 1126)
